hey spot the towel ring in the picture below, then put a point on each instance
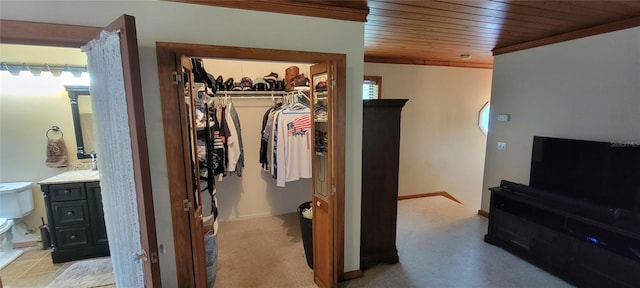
(54, 129)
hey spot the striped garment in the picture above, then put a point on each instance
(299, 126)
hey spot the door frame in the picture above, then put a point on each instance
(166, 54)
(74, 36)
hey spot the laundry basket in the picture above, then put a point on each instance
(306, 230)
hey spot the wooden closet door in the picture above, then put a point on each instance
(323, 201)
(193, 206)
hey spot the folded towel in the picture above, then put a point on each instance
(56, 153)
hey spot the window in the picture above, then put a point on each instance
(372, 87)
(483, 118)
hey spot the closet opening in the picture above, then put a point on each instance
(252, 191)
(242, 107)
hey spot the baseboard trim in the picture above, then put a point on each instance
(355, 274)
(430, 194)
(483, 213)
(25, 244)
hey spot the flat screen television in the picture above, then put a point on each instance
(602, 173)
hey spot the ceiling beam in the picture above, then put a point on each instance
(412, 61)
(46, 34)
(302, 8)
(591, 31)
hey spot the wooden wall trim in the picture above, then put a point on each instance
(215, 51)
(430, 194)
(350, 275)
(427, 62)
(292, 8)
(46, 34)
(338, 165)
(595, 30)
(483, 213)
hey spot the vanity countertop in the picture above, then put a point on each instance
(73, 177)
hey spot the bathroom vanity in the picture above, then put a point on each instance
(76, 219)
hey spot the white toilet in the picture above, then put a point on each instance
(16, 201)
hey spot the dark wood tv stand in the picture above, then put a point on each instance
(582, 250)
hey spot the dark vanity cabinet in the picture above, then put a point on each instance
(380, 161)
(76, 221)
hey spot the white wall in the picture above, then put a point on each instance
(581, 89)
(187, 23)
(254, 194)
(441, 146)
(29, 106)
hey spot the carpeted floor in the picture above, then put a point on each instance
(439, 242)
(262, 252)
(90, 273)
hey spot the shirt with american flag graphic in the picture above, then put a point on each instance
(294, 145)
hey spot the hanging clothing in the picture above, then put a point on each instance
(233, 140)
(218, 145)
(294, 145)
(264, 142)
(286, 143)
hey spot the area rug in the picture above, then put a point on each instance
(86, 274)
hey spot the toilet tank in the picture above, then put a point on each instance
(16, 199)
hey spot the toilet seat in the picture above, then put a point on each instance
(11, 187)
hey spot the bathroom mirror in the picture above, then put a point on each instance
(82, 119)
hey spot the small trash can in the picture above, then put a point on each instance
(306, 230)
(44, 235)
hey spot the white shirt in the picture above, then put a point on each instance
(294, 144)
(233, 144)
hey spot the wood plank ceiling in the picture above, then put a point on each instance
(440, 32)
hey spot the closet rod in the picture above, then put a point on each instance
(241, 94)
(252, 97)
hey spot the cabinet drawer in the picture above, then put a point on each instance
(70, 212)
(67, 192)
(71, 237)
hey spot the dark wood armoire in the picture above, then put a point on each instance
(380, 158)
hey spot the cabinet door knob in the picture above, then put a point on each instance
(73, 237)
(70, 213)
(318, 203)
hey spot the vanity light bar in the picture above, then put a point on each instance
(37, 69)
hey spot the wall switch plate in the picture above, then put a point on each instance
(502, 145)
(504, 117)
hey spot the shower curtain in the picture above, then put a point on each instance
(115, 162)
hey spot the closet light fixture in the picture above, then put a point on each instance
(14, 70)
(36, 69)
(465, 56)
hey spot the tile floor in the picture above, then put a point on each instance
(33, 269)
